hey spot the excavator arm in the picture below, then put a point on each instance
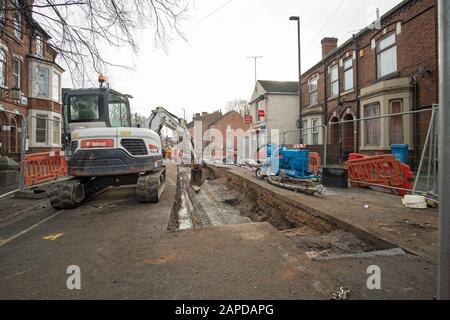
(160, 118)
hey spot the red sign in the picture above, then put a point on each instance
(261, 113)
(248, 119)
(97, 143)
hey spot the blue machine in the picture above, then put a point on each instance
(287, 163)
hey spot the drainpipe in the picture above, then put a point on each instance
(325, 112)
(415, 106)
(358, 93)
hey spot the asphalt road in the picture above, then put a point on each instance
(97, 237)
(124, 251)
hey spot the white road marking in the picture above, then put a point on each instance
(21, 233)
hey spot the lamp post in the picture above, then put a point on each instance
(255, 58)
(300, 122)
(444, 153)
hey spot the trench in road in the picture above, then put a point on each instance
(219, 203)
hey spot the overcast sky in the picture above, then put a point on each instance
(211, 68)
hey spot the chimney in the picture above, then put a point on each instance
(328, 45)
(204, 114)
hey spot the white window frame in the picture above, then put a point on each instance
(41, 117)
(348, 69)
(56, 129)
(3, 67)
(17, 25)
(2, 11)
(17, 74)
(383, 49)
(377, 121)
(39, 45)
(38, 93)
(305, 130)
(315, 131)
(311, 92)
(56, 96)
(333, 82)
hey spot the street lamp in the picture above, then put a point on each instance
(300, 122)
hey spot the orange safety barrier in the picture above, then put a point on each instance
(314, 162)
(44, 167)
(383, 170)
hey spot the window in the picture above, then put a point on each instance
(315, 131)
(56, 91)
(84, 108)
(2, 67)
(16, 73)
(372, 126)
(348, 74)
(41, 128)
(396, 123)
(42, 81)
(313, 92)
(56, 130)
(118, 111)
(305, 131)
(17, 25)
(387, 56)
(334, 81)
(39, 46)
(2, 11)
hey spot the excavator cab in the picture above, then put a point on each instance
(95, 108)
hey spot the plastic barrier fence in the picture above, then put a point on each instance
(381, 170)
(44, 167)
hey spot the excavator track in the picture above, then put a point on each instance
(150, 186)
(69, 195)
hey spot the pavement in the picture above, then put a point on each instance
(372, 214)
(125, 251)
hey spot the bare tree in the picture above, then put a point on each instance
(79, 29)
(238, 105)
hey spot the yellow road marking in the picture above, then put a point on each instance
(52, 237)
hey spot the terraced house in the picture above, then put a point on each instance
(30, 82)
(388, 68)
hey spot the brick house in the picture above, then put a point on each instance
(30, 82)
(207, 119)
(378, 71)
(232, 129)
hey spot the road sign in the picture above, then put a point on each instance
(248, 119)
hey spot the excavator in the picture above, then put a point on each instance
(103, 149)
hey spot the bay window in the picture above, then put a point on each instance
(305, 131)
(372, 126)
(41, 128)
(396, 122)
(387, 55)
(56, 87)
(56, 130)
(42, 81)
(315, 131)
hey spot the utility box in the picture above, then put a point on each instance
(400, 152)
